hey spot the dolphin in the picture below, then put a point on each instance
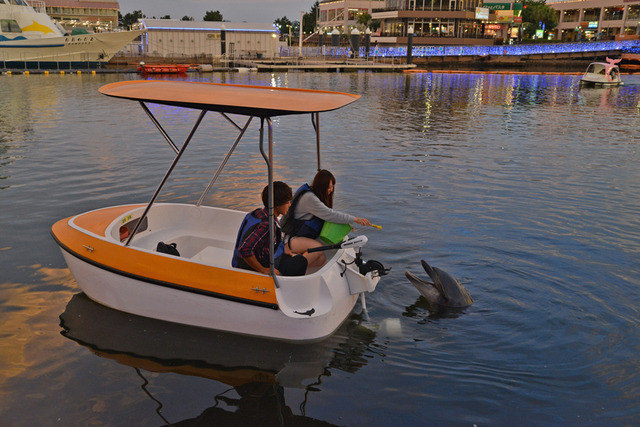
(445, 291)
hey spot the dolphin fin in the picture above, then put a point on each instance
(437, 283)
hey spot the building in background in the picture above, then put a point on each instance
(597, 19)
(343, 14)
(172, 38)
(506, 24)
(434, 22)
(89, 14)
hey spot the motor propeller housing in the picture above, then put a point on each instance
(371, 265)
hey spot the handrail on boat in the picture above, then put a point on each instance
(315, 121)
(226, 158)
(269, 160)
(159, 126)
(166, 176)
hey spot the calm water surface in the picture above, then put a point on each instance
(524, 187)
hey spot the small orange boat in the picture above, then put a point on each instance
(162, 68)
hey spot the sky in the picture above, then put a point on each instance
(232, 10)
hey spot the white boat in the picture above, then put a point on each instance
(112, 253)
(30, 35)
(602, 74)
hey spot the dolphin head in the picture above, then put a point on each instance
(445, 290)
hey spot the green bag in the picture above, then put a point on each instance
(334, 233)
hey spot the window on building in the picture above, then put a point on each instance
(634, 12)
(592, 14)
(354, 14)
(432, 27)
(613, 13)
(571, 15)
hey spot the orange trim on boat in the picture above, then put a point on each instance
(158, 268)
(97, 221)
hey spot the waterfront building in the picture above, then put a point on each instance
(93, 15)
(436, 22)
(343, 14)
(596, 19)
(172, 38)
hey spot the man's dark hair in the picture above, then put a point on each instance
(281, 194)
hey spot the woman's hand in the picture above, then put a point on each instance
(362, 221)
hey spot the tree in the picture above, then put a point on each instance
(535, 14)
(165, 17)
(309, 20)
(363, 20)
(187, 18)
(283, 24)
(213, 15)
(130, 18)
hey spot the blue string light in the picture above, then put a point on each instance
(627, 46)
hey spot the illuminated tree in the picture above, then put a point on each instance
(535, 15)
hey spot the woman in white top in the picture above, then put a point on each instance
(310, 208)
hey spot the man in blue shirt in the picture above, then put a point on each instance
(252, 245)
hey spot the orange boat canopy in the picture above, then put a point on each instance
(260, 101)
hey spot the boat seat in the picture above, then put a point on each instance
(214, 256)
(199, 249)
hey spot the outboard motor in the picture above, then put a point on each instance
(357, 243)
(371, 265)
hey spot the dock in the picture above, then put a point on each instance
(316, 65)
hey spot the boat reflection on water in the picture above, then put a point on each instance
(258, 369)
(603, 97)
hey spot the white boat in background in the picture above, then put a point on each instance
(602, 74)
(113, 252)
(29, 35)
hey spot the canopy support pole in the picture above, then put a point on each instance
(226, 159)
(166, 176)
(269, 160)
(231, 121)
(155, 122)
(315, 120)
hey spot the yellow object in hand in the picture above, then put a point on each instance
(379, 227)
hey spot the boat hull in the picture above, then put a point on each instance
(595, 83)
(99, 47)
(200, 288)
(163, 69)
(164, 303)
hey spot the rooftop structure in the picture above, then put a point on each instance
(95, 15)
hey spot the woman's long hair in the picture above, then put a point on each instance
(320, 186)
